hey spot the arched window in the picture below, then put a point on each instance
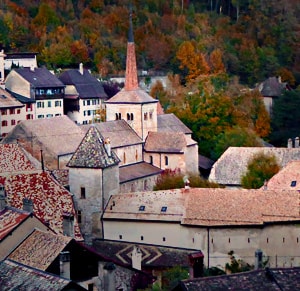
(128, 116)
(117, 116)
(166, 161)
(120, 116)
(131, 116)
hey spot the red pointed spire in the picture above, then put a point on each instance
(131, 78)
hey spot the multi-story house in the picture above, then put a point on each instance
(11, 112)
(40, 90)
(84, 95)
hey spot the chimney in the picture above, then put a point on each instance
(290, 143)
(107, 146)
(2, 202)
(81, 68)
(136, 258)
(27, 205)
(64, 264)
(32, 68)
(68, 224)
(258, 259)
(297, 142)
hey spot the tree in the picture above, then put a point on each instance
(260, 169)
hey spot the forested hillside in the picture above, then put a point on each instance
(212, 50)
(254, 39)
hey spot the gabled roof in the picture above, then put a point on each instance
(137, 96)
(15, 276)
(8, 101)
(137, 171)
(128, 206)
(165, 142)
(58, 135)
(13, 159)
(91, 152)
(39, 77)
(171, 123)
(51, 201)
(272, 87)
(39, 249)
(10, 218)
(287, 178)
(86, 85)
(286, 279)
(232, 165)
(118, 131)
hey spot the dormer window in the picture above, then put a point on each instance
(293, 183)
(142, 208)
(164, 209)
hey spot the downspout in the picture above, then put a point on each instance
(208, 238)
(102, 205)
(142, 123)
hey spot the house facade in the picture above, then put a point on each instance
(40, 91)
(84, 96)
(12, 112)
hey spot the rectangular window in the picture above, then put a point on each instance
(164, 209)
(57, 103)
(40, 116)
(18, 111)
(82, 193)
(49, 115)
(4, 123)
(166, 161)
(40, 104)
(88, 102)
(3, 112)
(293, 183)
(142, 208)
(79, 216)
(49, 103)
(13, 122)
(12, 111)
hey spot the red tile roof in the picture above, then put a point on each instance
(50, 200)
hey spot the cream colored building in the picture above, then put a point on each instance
(216, 221)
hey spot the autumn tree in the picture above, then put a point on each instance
(260, 168)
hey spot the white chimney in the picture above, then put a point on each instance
(32, 67)
(290, 143)
(81, 68)
(107, 146)
(297, 142)
(136, 258)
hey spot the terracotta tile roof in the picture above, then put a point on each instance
(287, 279)
(127, 206)
(50, 199)
(232, 165)
(118, 131)
(137, 171)
(137, 96)
(62, 176)
(13, 158)
(10, 218)
(91, 152)
(8, 101)
(58, 135)
(287, 178)
(86, 85)
(40, 77)
(171, 123)
(208, 206)
(218, 207)
(152, 256)
(14, 276)
(166, 142)
(40, 249)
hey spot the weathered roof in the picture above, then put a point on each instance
(272, 87)
(232, 165)
(287, 178)
(152, 256)
(136, 96)
(137, 171)
(13, 158)
(10, 218)
(8, 101)
(86, 85)
(205, 163)
(166, 142)
(15, 276)
(118, 131)
(58, 135)
(171, 123)
(40, 77)
(39, 249)
(207, 206)
(50, 199)
(91, 152)
(287, 279)
(218, 207)
(127, 206)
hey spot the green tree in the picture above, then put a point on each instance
(260, 169)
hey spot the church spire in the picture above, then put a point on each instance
(131, 78)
